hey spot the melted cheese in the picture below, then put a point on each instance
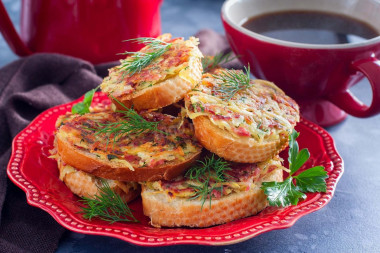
(180, 187)
(147, 149)
(260, 112)
(181, 58)
(66, 169)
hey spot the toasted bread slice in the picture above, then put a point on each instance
(164, 81)
(86, 185)
(172, 204)
(248, 126)
(148, 155)
(226, 145)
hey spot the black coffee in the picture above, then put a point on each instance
(311, 27)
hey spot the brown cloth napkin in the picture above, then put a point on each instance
(28, 87)
(212, 43)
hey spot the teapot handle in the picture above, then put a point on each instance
(10, 34)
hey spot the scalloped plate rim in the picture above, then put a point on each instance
(27, 187)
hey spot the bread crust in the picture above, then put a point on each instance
(243, 149)
(86, 162)
(147, 156)
(166, 80)
(167, 212)
(162, 94)
(252, 125)
(85, 185)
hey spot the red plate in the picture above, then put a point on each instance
(31, 170)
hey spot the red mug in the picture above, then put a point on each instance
(317, 76)
(91, 30)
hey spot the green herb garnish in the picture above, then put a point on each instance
(84, 106)
(133, 123)
(139, 60)
(232, 81)
(311, 180)
(108, 206)
(208, 173)
(209, 63)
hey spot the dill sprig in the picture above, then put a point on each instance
(207, 175)
(108, 206)
(232, 81)
(139, 60)
(133, 123)
(211, 62)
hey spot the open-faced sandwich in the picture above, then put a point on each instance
(240, 119)
(212, 192)
(127, 146)
(158, 75)
(87, 185)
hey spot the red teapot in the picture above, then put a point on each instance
(93, 30)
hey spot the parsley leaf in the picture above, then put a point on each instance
(311, 180)
(282, 193)
(293, 150)
(84, 106)
(301, 158)
(79, 108)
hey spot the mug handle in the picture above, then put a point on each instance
(347, 101)
(10, 34)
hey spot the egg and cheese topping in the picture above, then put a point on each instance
(260, 111)
(242, 177)
(180, 58)
(85, 184)
(173, 141)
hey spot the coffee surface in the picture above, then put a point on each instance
(311, 27)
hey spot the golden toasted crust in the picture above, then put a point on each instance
(134, 157)
(164, 81)
(86, 162)
(243, 149)
(163, 94)
(252, 125)
(86, 185)
(166, 212)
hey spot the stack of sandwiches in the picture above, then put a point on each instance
(195, 146)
